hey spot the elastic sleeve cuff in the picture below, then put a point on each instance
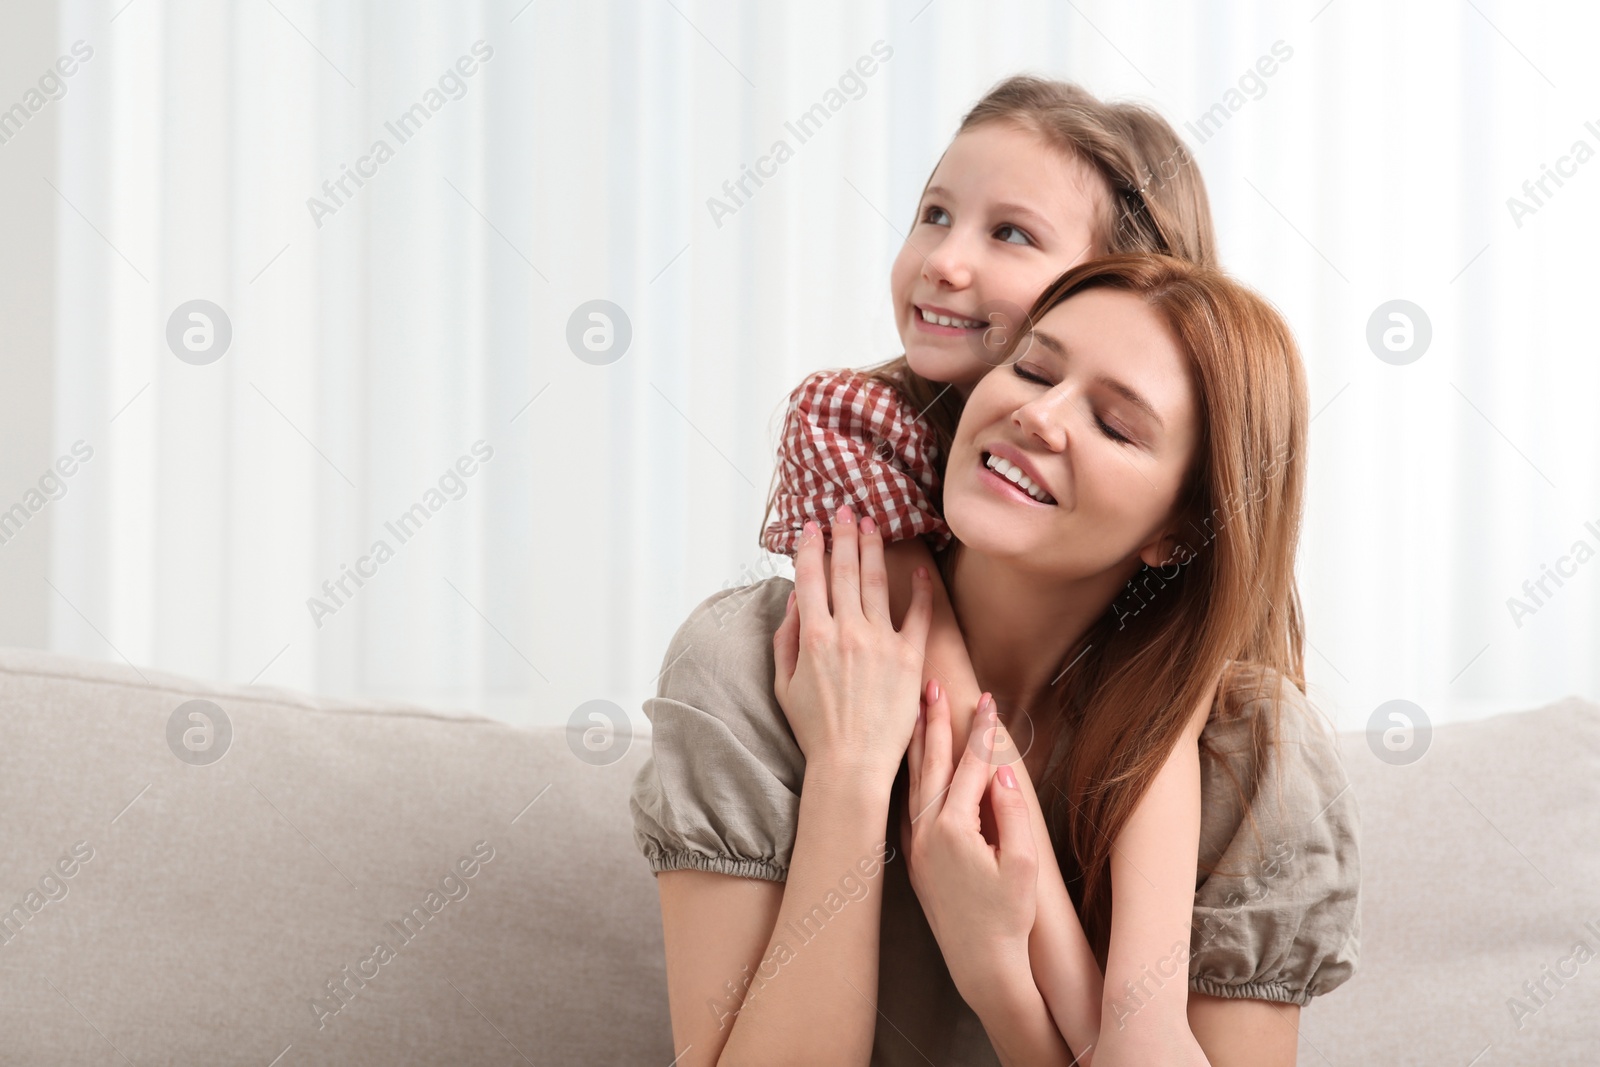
(681, 860)
(1274, 991)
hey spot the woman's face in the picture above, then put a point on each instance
(1108, 466)
(1003, 216)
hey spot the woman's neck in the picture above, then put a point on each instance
(1019, 628)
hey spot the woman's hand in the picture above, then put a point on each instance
(846, 679)
(1171, 1045)
(980, 899)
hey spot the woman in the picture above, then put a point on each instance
(1162, 407)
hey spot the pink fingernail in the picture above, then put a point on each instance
(867, 525)
(1007, 777)
(846, 516)
(933, 690)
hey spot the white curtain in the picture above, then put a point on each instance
(381, 335)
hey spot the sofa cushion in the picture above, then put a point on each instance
(1480, 869)
(209, 905)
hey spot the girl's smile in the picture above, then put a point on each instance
(1003, 215)
(932, 319)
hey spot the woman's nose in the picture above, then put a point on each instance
(1045, 419)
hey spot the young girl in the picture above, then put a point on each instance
(1040, 176)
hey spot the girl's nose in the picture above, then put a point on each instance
(948, 263)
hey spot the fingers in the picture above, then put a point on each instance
(1013, 822)
(919, 615)
(846, 565)
(934, 774)
(874, 573)
(973, 772)
(810, 577)
(919, 733)
(786, 644)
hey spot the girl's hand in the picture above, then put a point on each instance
(979, 898)
(846, 679)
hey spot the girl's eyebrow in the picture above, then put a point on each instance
(1027, 214)
(1121, 388)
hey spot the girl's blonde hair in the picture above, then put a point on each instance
(1158, 201)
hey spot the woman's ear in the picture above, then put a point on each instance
(1164, 551)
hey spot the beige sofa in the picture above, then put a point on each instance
(164, 907)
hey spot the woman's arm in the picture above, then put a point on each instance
(980, 899)
(742, 985)
(845, 679)
(1245, 1032)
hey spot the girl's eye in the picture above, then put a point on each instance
(936, 215)
(1015, 232)
(1026, 375)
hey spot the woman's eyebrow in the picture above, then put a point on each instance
(1121, 388)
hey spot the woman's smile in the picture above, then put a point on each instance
(1008, 479)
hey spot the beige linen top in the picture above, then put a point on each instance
(721, 792)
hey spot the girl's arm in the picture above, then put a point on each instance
(1145, 1009)
(946, 657)
(1064, 968)
(1161, 841)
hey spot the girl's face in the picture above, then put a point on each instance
(1102, 414)
(1003, 216)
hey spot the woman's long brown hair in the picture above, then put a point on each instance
(1227, 605)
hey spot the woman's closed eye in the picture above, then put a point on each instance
(1022, 372)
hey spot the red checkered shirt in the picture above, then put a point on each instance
(850, 439)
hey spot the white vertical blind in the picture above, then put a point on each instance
(371, 352)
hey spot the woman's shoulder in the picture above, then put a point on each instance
(732, 626)
(1268, 749)
(1278, 903)
(1255, 698)
(720, 658)
(721, 789)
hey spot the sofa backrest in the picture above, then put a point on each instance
(371, 883)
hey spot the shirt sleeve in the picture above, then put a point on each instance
(1278, 917)
(852, 439)
(720, 790)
